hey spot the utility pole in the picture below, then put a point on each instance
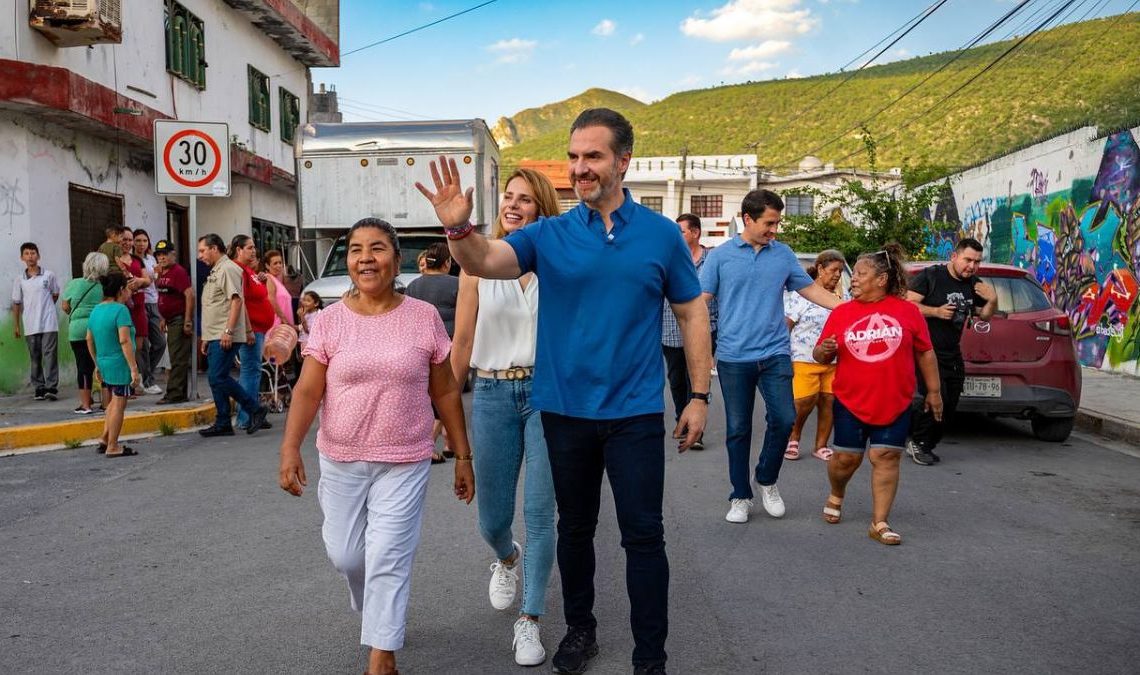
(684, 172)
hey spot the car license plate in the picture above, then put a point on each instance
(982, 387)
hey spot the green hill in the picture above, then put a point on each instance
(556, 117)
(1076, 74)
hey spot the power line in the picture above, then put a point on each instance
(381, 108)
(417, 28)
(910, 25)
(983, 71)
(959, 54)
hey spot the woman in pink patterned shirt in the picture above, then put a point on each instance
(377, 361)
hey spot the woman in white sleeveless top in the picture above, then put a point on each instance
(495, 327)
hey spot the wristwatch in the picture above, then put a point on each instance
(229, 331)
(698, 396)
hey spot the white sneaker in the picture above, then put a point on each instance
(770, 498)
(504, 581)
(527, 645)
(153, 389)
(738, 510)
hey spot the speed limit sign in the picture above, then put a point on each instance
(191, 158)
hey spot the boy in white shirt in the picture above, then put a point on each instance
(33, 312)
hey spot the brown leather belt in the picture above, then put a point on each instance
(512, 373)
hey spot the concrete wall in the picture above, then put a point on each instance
(232, 44)
(1068, 209)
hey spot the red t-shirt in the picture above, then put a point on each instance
(172, 283)
(256, 297)
(878, 341)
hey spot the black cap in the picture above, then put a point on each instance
(163, 246)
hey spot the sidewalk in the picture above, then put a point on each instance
(27, 425)
(1110, 405)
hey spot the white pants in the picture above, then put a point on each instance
(373, 512)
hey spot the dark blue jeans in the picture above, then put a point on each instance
(631, 451)
(738, 385)
(223, 386)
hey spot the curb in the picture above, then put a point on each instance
(1108, 426)
(57, 433)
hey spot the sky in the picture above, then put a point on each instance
(514, 54)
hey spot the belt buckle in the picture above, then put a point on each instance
(516, 373)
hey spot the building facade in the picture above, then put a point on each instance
(81, 84)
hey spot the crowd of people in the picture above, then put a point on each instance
(565, 392)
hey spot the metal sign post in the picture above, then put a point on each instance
(192, 159)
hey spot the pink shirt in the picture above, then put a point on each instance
(376, 406)
(284, 301)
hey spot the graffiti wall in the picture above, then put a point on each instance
(1068, 209)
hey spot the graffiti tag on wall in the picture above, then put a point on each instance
(1082, 243)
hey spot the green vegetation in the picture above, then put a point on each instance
(1070, 76)
(555, 118)
(166, 428)
(72, 443)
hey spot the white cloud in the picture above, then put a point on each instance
(640, 93)
(605, 28)
(637, 39)
(515, 50)
(764, 50)
(750, 19)
(794, 74)
(748, 69)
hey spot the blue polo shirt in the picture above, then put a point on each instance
(749, 286)
(598, 350)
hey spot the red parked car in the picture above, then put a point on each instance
(1022, 362)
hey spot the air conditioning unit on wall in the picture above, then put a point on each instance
(78, 23)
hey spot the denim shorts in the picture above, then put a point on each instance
(854, 435)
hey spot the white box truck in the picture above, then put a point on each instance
(349, 171)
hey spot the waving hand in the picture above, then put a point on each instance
(453, 205)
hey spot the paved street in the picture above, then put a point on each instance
(1018, 556)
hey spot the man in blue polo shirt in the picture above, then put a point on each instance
(604, 267)
(748, 276)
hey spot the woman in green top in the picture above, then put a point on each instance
(111, 340)
(79, 297)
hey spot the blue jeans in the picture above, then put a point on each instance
(507, 433)
(631, 452)
(223, 387)
(738, 385)
(250, 376)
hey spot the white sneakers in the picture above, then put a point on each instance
(504, 581)
(738, 510)
(770, 498)
(152, 390)
(527, 645)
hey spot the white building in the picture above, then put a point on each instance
(81, 83)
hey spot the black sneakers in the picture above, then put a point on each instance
(653, 669)
(921, 455)
(257, 421)
(575, 651)
(211, 431)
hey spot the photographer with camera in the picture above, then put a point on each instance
(948, 296)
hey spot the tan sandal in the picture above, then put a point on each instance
(833, 510)
(882, 533)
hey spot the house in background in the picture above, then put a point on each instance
(81, 84)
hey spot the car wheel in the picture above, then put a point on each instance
(1051, 429)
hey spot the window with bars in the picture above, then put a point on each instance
(653, 203)
(185, 44)
(706, 206)
(799, 205)
(259, 99)
(290, 107)
(270, 236)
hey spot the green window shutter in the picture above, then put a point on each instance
(177, 43)
(259, 99)
(290, 115)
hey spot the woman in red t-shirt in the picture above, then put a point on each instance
(878, 337)
(255, 300)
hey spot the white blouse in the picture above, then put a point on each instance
(506, 324)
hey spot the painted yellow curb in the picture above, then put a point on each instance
(57, 433)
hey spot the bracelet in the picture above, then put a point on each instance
(456, 233)
(463, 459)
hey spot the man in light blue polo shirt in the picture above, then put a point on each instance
(605, 267)
(748, 276)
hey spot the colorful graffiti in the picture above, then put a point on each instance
(1082, 243)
